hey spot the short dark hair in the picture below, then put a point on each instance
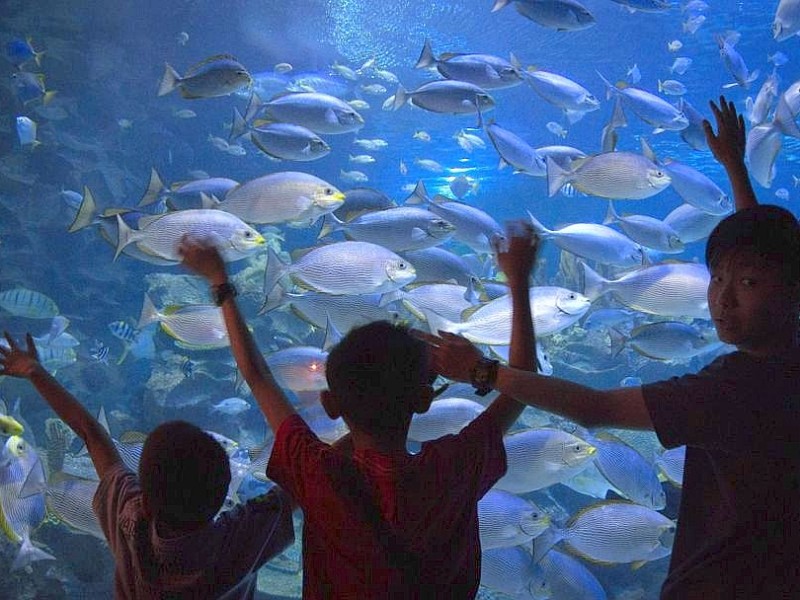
(770, 232)
(184, 474)
(375, 372)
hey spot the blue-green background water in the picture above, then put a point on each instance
(106, 128)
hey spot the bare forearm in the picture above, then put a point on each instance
(521, 354)
(743, 194)
(270, 397)
(623, 408)
(98, 442)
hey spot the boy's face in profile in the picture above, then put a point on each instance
(751, 303)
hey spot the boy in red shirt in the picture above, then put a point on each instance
(380, 522)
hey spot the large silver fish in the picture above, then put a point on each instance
(617, 175)
(508, 520)
(447, 97)
(342, 268)
(196, 326)
(595, 242)
(284, 197)
(160, 235)
(515, 151)
(284, 141)
(21, 513)
(668, 290)
(571, 97)
(399, 229)
(691, 223)
(321, 113)
(483, 70)
(512, 572)
(613, 532)
(553, 308)
(444, 417)
(561, 15)
(648, 107)
(787, 20)
(445, 299)
(299, 368)
(646, 230)
(539, 458)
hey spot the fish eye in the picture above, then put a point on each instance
(401, 265)
(328, 191)
(248, 234)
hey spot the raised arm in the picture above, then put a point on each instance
(728, 147)
(455, 357)
(204, 259)
(517, 263)
(24, 363)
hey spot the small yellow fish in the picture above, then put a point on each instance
(10, 426)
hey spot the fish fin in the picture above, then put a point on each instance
(400, 97)
(28, 553)
(573, 116)
(125, 235)
(154, 189)
(730, 85)
(611, 214)
(542, 544)
(332, 335)
(169, 81)
(556, 176)
(593, 283)
(418, 234)
(500, 4)
(426, 57)
(149, 314)
(540, 229)
(274, 271)
(208, 201)
(238, 126)
(390, 297)
(419, 195)
(610, 88)
(784, 119)
(330, 224)
(86, 212)
(438, 323)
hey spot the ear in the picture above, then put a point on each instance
(330, 403)
(423, 400)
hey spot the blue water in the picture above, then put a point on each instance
(106, 128)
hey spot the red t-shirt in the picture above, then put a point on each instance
(430, 501)
(739, 522)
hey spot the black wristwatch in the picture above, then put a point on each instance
(483, 375)
(222, 292)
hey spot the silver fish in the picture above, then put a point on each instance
(218, 75)
(691, 223)
(646, 230)
(515, 151)
(398, 229)
(613, 532)
(539, 458)
(648, 107)
(668, 290)
(284, 141)
(508, 520)
(482, 70)
(448, 97)
(561, 15)
(321, 113)
(342, 268)
(618, 175)
(512, 572)
(282, 197)
(571, 97)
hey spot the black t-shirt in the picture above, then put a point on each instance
(739, 522)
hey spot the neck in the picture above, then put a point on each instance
(391, 444)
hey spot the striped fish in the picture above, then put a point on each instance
(22, 302)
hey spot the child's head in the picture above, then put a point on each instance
(378, 376)
(768, 232)
(754, 293)
(184, 474)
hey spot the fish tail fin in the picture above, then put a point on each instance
(438, 323)
(611, 214)
(617, 341)
(48, 97)
(419, 195)
(149, 313)
(784, 119)
(543, 543)
(390, 297)
(594, 285)
(209, 201)
(253, 107)
(272, 301)
(426, 57)
(753, 76)
(400, 97)
(538, 228)
(276, 269)
(86, 212)
(28, 553)
(499, 4)
(610, 88)
(125, 235)
(556, 176)
(154, 189)
(238, 125)
(169, 81)
(330, 223)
